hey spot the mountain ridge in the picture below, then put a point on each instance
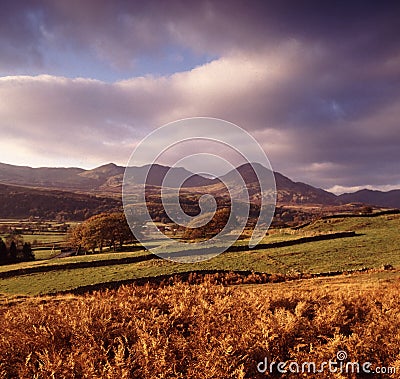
(389, 199)
(107, 179)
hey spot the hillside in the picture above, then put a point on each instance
(390, 199)
(21, 202)
(48, 177)
(156, 174)
(102, 178)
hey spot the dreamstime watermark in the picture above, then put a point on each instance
(188, 154)
(340, 365)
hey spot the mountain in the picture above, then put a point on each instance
(107, 180)
(390, 199)
(301, 193)
(288, 192)
(156, 174)
(103, 173)
(51, 177)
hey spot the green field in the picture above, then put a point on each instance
(375, 244)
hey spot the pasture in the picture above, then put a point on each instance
(374, 245)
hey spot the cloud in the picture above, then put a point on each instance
(306, 137)
(317, 85)
(55, 115)
(119, 32)
(338, 190)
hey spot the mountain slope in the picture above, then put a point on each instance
(103, 172)
(176, 175)
(47, 177)
(103, 178)
(21, 202)
(301, 193)
(288, 192)
(390, 199)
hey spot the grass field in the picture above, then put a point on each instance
(375, 245)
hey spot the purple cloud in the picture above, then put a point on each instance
(318, 85)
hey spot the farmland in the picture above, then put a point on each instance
(374, 245)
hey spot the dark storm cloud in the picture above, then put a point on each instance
(317, 83)
(120, 30)
(20, 34)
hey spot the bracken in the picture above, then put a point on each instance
(196, 331)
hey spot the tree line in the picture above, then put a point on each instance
(210, 229)
(111, 232)
(15, 250)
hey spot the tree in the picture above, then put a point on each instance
(3, 252)
(27, 252)
(16, 238)
(117, 230)
(366, 210)
(13, 251)
(74, 237)
(106, 229)
(93, 233)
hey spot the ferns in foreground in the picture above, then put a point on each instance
(196, 331)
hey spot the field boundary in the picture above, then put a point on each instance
(150, 256)
(74, 265)
(348, 215)
(297, 241)
(223, 277)
(352, 215)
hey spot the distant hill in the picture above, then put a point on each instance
(107, 179)
(101, 179)
(48, 177)
(390, 199)
(22, 202)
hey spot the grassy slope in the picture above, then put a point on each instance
(377, 244)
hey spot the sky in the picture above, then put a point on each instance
(316, 83)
